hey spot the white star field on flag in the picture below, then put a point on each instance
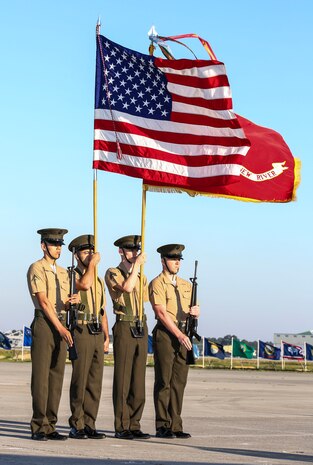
(132, 84)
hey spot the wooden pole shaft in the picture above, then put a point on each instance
(95, 233)
(143, 225)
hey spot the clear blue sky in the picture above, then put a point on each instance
(255, 260)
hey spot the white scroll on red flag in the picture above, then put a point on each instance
(269, 172)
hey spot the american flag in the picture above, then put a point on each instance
(168, 122)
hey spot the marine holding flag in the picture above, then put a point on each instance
(130, 348)
(91, 341)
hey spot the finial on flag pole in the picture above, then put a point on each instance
(98, 26)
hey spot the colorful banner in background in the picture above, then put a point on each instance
(241, 349)
(309, 351)
(213, 349)
(268, 351)
(4, 342)
(291, 351)
(27, 337)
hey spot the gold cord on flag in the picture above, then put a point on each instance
(297, 177)
(159, 39)
(151, 49)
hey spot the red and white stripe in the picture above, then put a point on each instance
(201, 145)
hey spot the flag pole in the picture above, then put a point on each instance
(305, 364)
(231, 356)
(23, 343)
(282, 354)
(143, 225)
(95, 219)
(203, 352)
(95, 233)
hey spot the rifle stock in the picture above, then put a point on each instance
(191, 321)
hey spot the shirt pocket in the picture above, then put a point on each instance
(186, 296)
(64, 284)
(62, 292)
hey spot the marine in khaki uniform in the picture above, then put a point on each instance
(49, 289)
(91, 341)
(170, 298)
(130, 352)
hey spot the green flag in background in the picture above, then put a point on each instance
(241, 349)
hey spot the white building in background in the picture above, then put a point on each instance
(297, 339)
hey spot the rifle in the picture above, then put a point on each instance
(191, 321)
(71, 316)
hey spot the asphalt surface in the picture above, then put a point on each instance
(235, 417)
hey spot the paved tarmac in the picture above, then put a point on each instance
(235, 417)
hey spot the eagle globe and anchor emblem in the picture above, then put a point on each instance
(269, 350)
(214, 349)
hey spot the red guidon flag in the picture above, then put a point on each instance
(269, 172)
(169, 122)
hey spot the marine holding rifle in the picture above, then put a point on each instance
(49, 288)
(89, 326)
(130, 338)
(170, 297)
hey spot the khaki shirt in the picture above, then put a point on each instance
(175, 298)
(90, 296)
(114, 277)
(56, 286)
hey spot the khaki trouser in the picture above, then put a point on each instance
(86, 382)
(130, 357)
(171, 374)
(48, 354)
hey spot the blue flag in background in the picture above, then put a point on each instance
(308, 351)
(293, 352)
(150, 345)
(27, 337)
(213, 349)
(268, 351)
(4, 342)
(195, 349)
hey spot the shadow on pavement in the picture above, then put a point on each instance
(258, 453)
(39, 460)
(16, 429)
(21, 430)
